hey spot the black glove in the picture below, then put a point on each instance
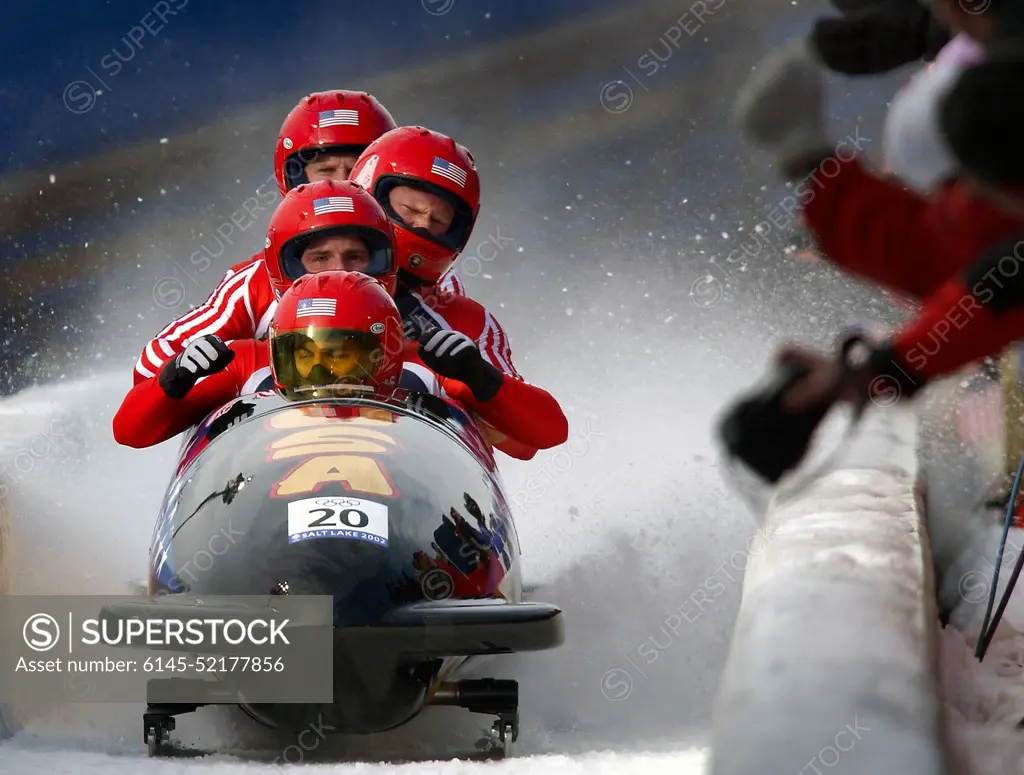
(877, 40)
(771, 435)
(760, 432)
(238, 412)
(454, 355)
(936, 34)
(203, 357)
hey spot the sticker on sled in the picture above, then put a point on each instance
(338, 517)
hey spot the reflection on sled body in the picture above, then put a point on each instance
(395, 508)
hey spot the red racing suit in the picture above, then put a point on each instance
(240, 307)
(147, 416)
(525, 413)
(951, 251)
(974, 314)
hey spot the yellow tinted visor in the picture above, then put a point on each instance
(317, 357)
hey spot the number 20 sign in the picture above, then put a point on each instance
(355, 518)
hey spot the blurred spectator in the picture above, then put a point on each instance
(927, 247)
(915, 150)
(871, 226)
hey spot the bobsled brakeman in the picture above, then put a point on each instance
(390, 503)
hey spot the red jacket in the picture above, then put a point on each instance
(240, 307)
(974, 314)
(147, 416)
(921, 246)
(525, 413)
(876, 228)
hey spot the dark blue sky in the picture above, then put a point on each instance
(209, 57)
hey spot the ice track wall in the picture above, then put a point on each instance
(833, 660)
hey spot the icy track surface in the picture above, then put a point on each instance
(620, 531)
(686, 763)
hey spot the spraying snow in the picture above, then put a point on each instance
(621, 552)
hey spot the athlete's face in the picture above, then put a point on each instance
(337, 252)
(338, 357)
(422, 210)
(330, 166)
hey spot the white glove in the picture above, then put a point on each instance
(203, 357)
(781, 107)
(453, 354)
(447, 343)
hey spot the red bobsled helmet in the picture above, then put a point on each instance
(339, 121)
(335, 331)
(428, 162)
(330, 208)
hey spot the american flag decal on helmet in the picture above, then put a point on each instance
(333, 204)
(339, 118)
(448, 170)
(309, 307)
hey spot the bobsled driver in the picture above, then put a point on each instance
(320, 139)
(330, 336)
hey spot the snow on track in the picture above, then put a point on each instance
(689, 762)
(620, 554)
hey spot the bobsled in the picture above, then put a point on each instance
(394, 507)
